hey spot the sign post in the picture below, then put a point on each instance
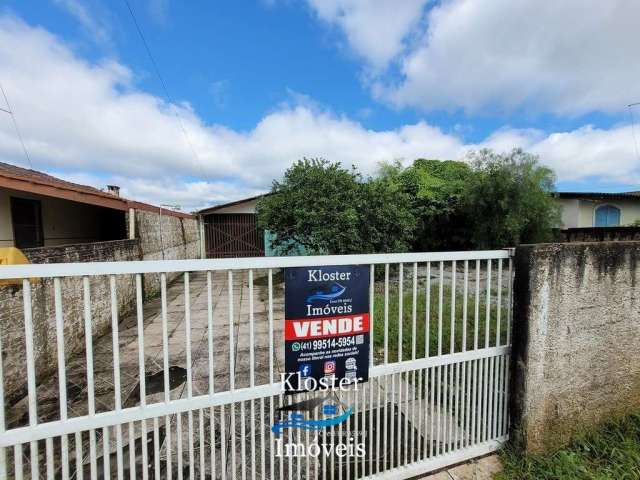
(326, 326)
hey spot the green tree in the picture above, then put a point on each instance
(333, 210)
(435, 188)
(508, 199)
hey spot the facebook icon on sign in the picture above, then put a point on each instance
(305, 369)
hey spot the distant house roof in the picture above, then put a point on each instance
(213, 209)
(600, 195)
(32, 181)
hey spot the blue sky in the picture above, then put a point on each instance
(257, 85)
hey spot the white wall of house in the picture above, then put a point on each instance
(63, 221)
(581, 213)
(6, 228)
(245, 207)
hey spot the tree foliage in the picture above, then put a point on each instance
(330, 209)
(508, 199)
(489, 201)
(435, 188)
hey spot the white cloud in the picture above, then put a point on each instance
(567, 57)
(376, 30)
(90, 123)
(93, 27)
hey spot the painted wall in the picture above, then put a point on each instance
(576, 339)
(244, 207)
(580, 213)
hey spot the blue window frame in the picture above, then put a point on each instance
(607, 216)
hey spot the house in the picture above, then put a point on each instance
(598, 209)
(50, 219)
(231, 230)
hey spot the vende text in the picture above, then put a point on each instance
(326, 327)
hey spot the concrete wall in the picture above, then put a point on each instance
(165, 237)
(580, 213)
(576, 353)
(43, 310)
(600, 234)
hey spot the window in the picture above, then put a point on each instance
(607, 216)
(27, 223)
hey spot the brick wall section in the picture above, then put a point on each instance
(179, 237)
(43, 309)
(576, 339)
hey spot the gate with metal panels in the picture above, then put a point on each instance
(171, 369)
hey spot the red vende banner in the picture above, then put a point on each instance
(311, 328)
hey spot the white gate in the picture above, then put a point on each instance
(171, 369)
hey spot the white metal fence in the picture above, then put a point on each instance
(187, 384)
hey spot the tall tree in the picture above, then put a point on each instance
(330, 209)
(508, 199)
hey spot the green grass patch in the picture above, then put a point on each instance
(429, 308)
(611, 452)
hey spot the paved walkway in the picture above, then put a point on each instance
(482, 469)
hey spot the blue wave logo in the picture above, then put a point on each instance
(297, 420)
(335, 291)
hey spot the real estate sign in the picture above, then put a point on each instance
(326, 326)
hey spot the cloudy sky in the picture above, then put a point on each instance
(253, 86)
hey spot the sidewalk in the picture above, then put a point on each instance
(480, 469)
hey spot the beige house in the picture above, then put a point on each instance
(595, 209)
(39, 210)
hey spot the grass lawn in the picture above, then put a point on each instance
(432, 305)
(612, 452)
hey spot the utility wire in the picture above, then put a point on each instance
(15, 125)
(166, 90)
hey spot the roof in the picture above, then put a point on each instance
(208, 210)
(600, 195)
(33, 181)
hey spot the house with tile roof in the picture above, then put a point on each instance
(40, 210)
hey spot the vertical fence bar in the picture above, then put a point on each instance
(232, 375)
(212, 424)
(271, 399)
(187, 327)
(3, 450)
(252, 374)
(31, 372)
(88, 336)
(165, 365)
(17, 461)
(49, 458)
(106, 453)
(400, 335)
(386, 313)
(142, 374)
(223, 446)
(116, 372)
(372, 280)
(414, 333)
(453, 392)
(62, 376)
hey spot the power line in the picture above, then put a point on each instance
(166, 90)
(15, 125)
